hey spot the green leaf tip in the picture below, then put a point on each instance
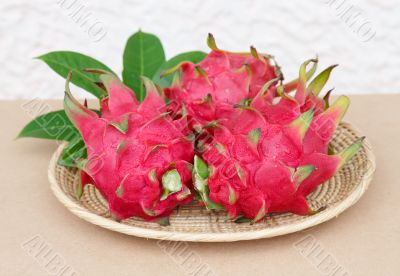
(302, 123)
(301, 174)
(341, 104)
(320, 80)
(254, 135)
(200, 174)
(232, 195)
(119, 191)
(121, 126)
(326, 98)
(79, 191)
(163, 221)
(171, 182)
(153, 175)
(148, 211)
(254, 53)
(200, 167)
(242, 219)
(266, 86)
(201, 73)
(260, 214)
(211, 42)
(150, 86)
(292, 85)
(121, 146)
(348, 153)
(337, 110)
(305, 75)
(72, 107)
(240, 173)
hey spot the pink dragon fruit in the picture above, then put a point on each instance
(255, 149)
(228, 131)
(263, 170)
(268, 150)
(138, 157)
(219, 81)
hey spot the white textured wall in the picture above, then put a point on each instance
(291, 30)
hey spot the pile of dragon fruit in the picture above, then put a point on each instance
(228, 134)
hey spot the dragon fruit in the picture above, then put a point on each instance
(219, 81)
(267, 150)
(231, 132)
(264, 170)
(138, 157)
(228, 132)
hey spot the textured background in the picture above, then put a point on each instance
(365, 40)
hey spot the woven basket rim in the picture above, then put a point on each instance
(310, 221)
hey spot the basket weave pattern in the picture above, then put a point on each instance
(195, 223)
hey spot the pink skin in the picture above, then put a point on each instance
(226, 87)
(120, 100)
(257, 173)
(321, 131)
(255, 151)
(281, 143)
(313, 102)
(260, 175)
(275, 180)
(225, 79)
(251, 201)
(129, 166)
(282, 113)
(264, 174)
(220, 193)
(218, 62)
(325, 167)
(249, 119)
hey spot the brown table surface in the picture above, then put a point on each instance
(40, 236)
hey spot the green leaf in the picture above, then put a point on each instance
(75, 150)
(201, 186)
(242, 219)
(53, 125)
(319, 81)
(163, 221)
(260, 214)
(200, 167)
(64, 61)
(143, 55)
(194, 56)
(171, 182)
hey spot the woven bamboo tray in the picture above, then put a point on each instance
(195, 223)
